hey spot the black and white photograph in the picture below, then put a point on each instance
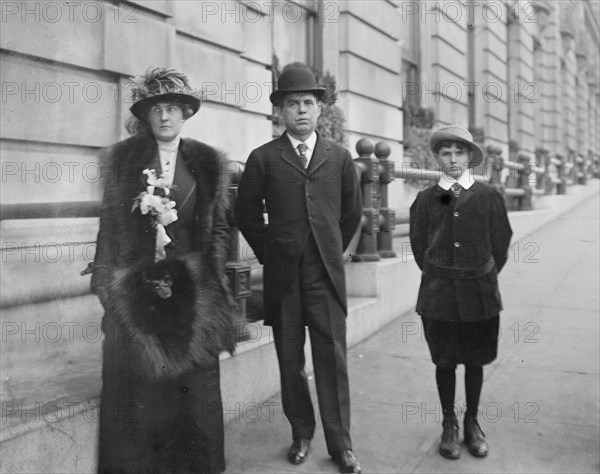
(299, 236)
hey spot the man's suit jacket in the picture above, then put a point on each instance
(323, 200)
(461, 245)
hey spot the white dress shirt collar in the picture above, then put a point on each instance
(310, 143)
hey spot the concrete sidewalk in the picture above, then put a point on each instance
(540, 401)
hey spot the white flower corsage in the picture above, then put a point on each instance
(156, 202)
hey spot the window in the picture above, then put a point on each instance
(293, 33)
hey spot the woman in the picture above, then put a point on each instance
(159, 273)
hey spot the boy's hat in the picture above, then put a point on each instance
(162, 85)
(296, 80)
(456, 133)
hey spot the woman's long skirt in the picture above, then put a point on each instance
(169, 426)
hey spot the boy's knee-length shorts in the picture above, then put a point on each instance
(458, 342)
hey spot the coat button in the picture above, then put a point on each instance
(457, 244)
(455, 214)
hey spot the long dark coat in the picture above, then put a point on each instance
(161, 405)
(323, 199)
(460, 245)
(127, 237)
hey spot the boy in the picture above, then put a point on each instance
(460, 234)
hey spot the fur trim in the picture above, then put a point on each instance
(124, 237)
(168, 337)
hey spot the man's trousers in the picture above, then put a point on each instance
(311, 301)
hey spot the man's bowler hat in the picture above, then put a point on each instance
(162, 85)
(456, 133)
(296, 80)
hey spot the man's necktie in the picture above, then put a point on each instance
(456, 189)
(302, 149)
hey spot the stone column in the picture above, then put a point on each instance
(523, 91)
(548, 78)
(568, 85)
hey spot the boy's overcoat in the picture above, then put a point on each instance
(273, 173)
(460, 245)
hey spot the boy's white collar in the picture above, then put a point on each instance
(466, 180)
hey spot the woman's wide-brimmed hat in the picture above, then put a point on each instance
(296, 80)
(162, 85)
(456, 133)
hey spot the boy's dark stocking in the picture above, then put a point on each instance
(474, 436)
(446, 384)
(473, 384)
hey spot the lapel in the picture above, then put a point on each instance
(288, 154)
(184, 183)
(146, 157)
(153, 164)
(439, 191)
(320, 155)
(465, 196)
(446, 197)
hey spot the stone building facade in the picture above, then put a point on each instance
(522, 74)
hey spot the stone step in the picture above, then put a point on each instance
(51, 370)
(51, 353)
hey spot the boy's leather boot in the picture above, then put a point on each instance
(474, 437)
(449, 446)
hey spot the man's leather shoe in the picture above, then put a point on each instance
(449, 446)
(474, 438)
(299, 451)
(346, 461)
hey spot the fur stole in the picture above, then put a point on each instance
(172, 315)
(125, 237)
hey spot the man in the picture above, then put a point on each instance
(312, 198)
